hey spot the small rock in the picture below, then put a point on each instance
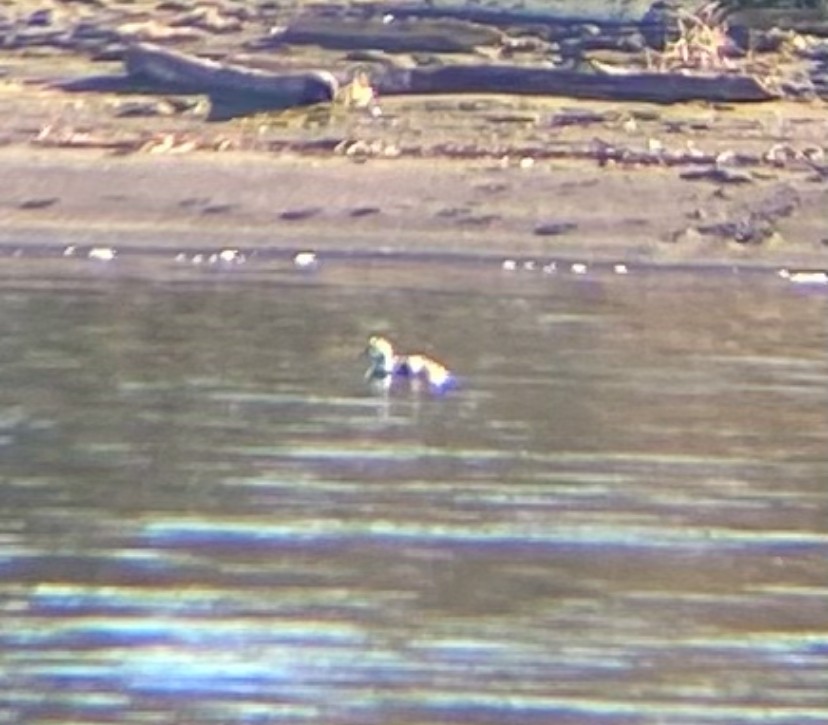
(42, 203)
(725, 158)
(780, 154)
(209, 19)
(805, 276)
(142, 109)
(152, 30)
(230, 255)
(553, 229)
(748, 230)
(576, 117)
(305, 260)
(40, 18)
(102, 254)
(218, 208)
(654, 146)
(299, 214)
(362, 211)
(721, 175)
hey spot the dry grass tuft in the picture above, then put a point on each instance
(703, 42)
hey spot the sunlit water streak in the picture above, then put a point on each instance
(620, 515)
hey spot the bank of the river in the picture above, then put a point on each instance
(501, 175)
(546, 209)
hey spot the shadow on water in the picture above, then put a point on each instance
(619, 516)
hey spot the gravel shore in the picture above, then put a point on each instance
(476, 175)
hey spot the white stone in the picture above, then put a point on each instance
(102, 254)
(305, 260)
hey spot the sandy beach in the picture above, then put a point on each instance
(494, 175)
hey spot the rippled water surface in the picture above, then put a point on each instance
(620, 515)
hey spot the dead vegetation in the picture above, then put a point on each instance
(703, 42)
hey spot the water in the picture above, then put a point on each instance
(619, 516)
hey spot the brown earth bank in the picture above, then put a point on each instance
(517, 176)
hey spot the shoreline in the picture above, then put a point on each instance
(384, 208)
(445, 176)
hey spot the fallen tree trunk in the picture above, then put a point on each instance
(496, 16)
(171, 70)
(627, 86)
(249, 89)
(440, 36)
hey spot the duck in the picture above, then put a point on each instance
(386, 365)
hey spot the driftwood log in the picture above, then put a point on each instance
(435, 36)
(503, 17)
(243, 90)
(628, 86)
(232, 89)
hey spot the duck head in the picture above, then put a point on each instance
(380, 352)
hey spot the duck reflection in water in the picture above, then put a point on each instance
(387, 366)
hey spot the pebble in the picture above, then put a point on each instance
(102, 254)
(805, 276)
(725, 157)
(231, 255)
(654, 146)
(552, 229)
(813, 153)
(305, 260)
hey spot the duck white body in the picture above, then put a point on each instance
(386, 365)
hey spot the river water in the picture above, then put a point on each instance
(619, 515)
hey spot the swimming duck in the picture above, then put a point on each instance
(386, 365)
